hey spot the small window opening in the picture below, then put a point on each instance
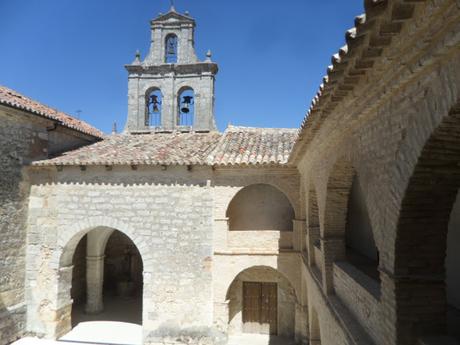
(171, 49)
(153, 109)
(186, 108)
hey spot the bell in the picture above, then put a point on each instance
(171, 50)
(154, 101)
(187, 100)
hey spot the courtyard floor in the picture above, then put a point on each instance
(122, 327)
(123, 333)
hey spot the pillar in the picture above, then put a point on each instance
(94, 284)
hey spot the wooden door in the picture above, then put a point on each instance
(260, 308)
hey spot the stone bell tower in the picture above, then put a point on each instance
(171, 90)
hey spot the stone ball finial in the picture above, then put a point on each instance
(187, 13)
(137, 59)
(208, 55)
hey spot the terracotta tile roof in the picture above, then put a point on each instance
(142, 149)
(236, 146)
(16, 100)
(246, 145)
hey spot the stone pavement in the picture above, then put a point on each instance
(123, 333)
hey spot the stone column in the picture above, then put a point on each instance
(94, 284)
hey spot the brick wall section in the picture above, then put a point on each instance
(23, 137)
(381, 128)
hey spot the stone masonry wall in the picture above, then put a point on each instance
(23, 138)
(166, 213)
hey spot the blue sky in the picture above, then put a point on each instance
(272, 55)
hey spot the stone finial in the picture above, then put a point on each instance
(172, 8)
(187, 13)
(137, 59)
(114, 127)
(208, 56)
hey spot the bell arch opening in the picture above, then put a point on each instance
(153, 107)
(260, 207)
(186, 107)
(171, 48)
(107, 278)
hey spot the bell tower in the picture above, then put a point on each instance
(171, 90)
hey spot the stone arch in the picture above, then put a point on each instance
(421, 238)
(61, 263)
(260, 207)
(186, 109)
(287, 298)
(70, 237)
(153, 100)
(171, 48)
(346, 231)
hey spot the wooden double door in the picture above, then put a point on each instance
(260, 308)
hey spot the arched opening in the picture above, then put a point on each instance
(347, 228)
(260, 207)
(426, 255)
(153, 107)
(171, 46)
(186, 107)
(107, 278)
(361, 250)
(261, 301)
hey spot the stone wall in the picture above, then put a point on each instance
(166, 213)
(23, 137)
(172, 215)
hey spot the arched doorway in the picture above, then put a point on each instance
(107, 278)
(425, 247)
(261, 301)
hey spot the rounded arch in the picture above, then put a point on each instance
(70, 237)
(422, 228)
(254, 280)
(260, 206)
(186, 106)
(153, 100)
(171, 48)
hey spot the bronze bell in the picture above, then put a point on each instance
(155, 102)
(187, 100)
